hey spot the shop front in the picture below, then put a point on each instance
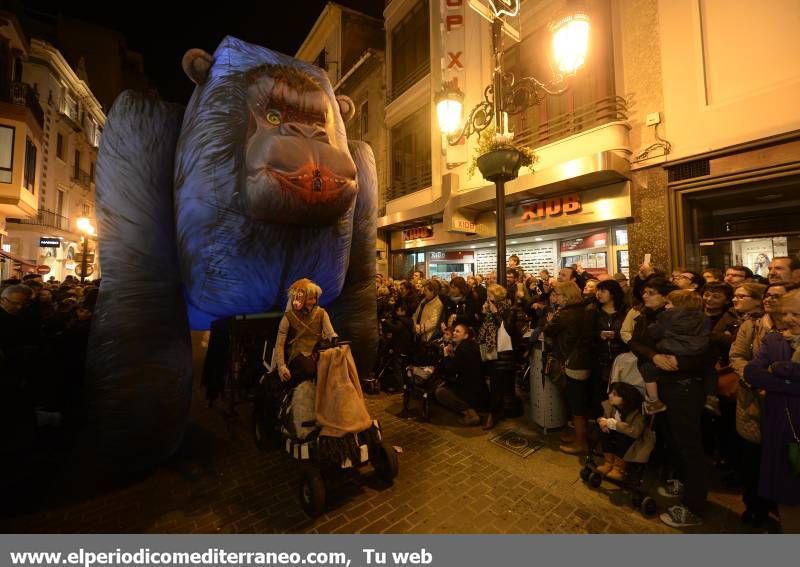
(744, 208)
(583, 227)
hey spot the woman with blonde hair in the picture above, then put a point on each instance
(569, 346)
(429, 311)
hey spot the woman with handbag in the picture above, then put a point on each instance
(497, 350)
(776, 370)
(567, 332)
(749, 401)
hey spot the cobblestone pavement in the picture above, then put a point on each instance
(452, 480)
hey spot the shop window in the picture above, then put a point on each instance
(410, 49)
(411, 155)
(742, 226)
(6, 153)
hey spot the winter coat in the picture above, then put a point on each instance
(604, 352)
(772, 370)
(681, 332)
(464, 375)
(633, 427)
(568, 336)
(428, 316)
(464, 310)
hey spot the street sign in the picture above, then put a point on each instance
(70, 265)
(42, 270)
(79, 270)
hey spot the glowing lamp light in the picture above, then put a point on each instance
(449, 103)
(85, 225)
(571, 42)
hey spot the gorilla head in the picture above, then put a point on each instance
(295, 173)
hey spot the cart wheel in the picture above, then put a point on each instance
(312, 492)
(595, 480)
(637, 498)
(384, 461)
(648, 507)
(586, 472)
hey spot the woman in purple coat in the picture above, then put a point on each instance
(776, 369)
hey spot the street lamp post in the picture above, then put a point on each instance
(85, 226)
(507, 95)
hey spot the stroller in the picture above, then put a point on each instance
(286, 416)
(420, 376)
(625, 370)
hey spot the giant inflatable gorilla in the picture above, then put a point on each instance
(212, 212)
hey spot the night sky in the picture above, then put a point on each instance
(163, 31)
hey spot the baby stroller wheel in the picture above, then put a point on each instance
(384, 461)
(586, 472)
(595, 480)
(312, 492)
(648, 507)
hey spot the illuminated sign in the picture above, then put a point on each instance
(554, 206)
(419, 232)
(45, 242)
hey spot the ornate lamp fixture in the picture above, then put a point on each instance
(508, 94)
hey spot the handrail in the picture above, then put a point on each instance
(409, 81)
(46, 217)
(402, 186)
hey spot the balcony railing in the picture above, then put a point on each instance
(602, 111)
(23, 95)
(402, 186)
(406, 83)
(47, 218)
(81, 177)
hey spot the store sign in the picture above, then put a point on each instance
(42, 270)
(453, 61)
(566, 205)
(70, 265)
(452, 255)
(593, 241)
(419, 232)
(45, 242)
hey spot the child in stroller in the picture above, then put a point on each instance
(627, 440)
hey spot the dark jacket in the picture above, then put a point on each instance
(773, 370)
(464, 310)
(681, 332)
(402, 330)
(723, 332)
(463, 374)
(604, 352)
(567, 335)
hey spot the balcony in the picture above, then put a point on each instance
(47, 218)
(69, 113)
(81, 177)
(409, 81)
(21, 94)
(580, 119)
(402, 186)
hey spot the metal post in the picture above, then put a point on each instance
(84, 258)
(500, 197)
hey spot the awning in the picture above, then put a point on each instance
(25, 265)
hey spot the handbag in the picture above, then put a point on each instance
(793, 450)
(727, 381)
(748, 414)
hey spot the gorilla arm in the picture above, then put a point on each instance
(353, 313)
(139, 365)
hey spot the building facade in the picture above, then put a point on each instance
(21, 142)
(673, 140)
(73, 122)
(349, 45)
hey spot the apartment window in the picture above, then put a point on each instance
(59, 202)
(91, 172)
(77, 168)
(410, 49)
(6, 153)
(411, 154)
(87, 210)
(29, 179)
(69, 107)
(60, 147)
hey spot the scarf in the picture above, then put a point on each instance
(487, 335)
(794, 341)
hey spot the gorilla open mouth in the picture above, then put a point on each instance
(314, 185)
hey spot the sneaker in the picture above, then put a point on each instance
(712, 405)
(651, 407)
(673, 488)
(680, 517)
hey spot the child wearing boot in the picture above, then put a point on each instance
(682, 330)
(621, 425)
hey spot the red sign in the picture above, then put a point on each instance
(592, 241)
(554, 206)
(452, 255)
(42, 270)
(419, 232)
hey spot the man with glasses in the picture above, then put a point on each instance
(736, 275)
(687, 279)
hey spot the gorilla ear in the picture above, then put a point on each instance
(346, 107)
(196, 63)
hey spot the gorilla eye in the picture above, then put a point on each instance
(274, 117)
